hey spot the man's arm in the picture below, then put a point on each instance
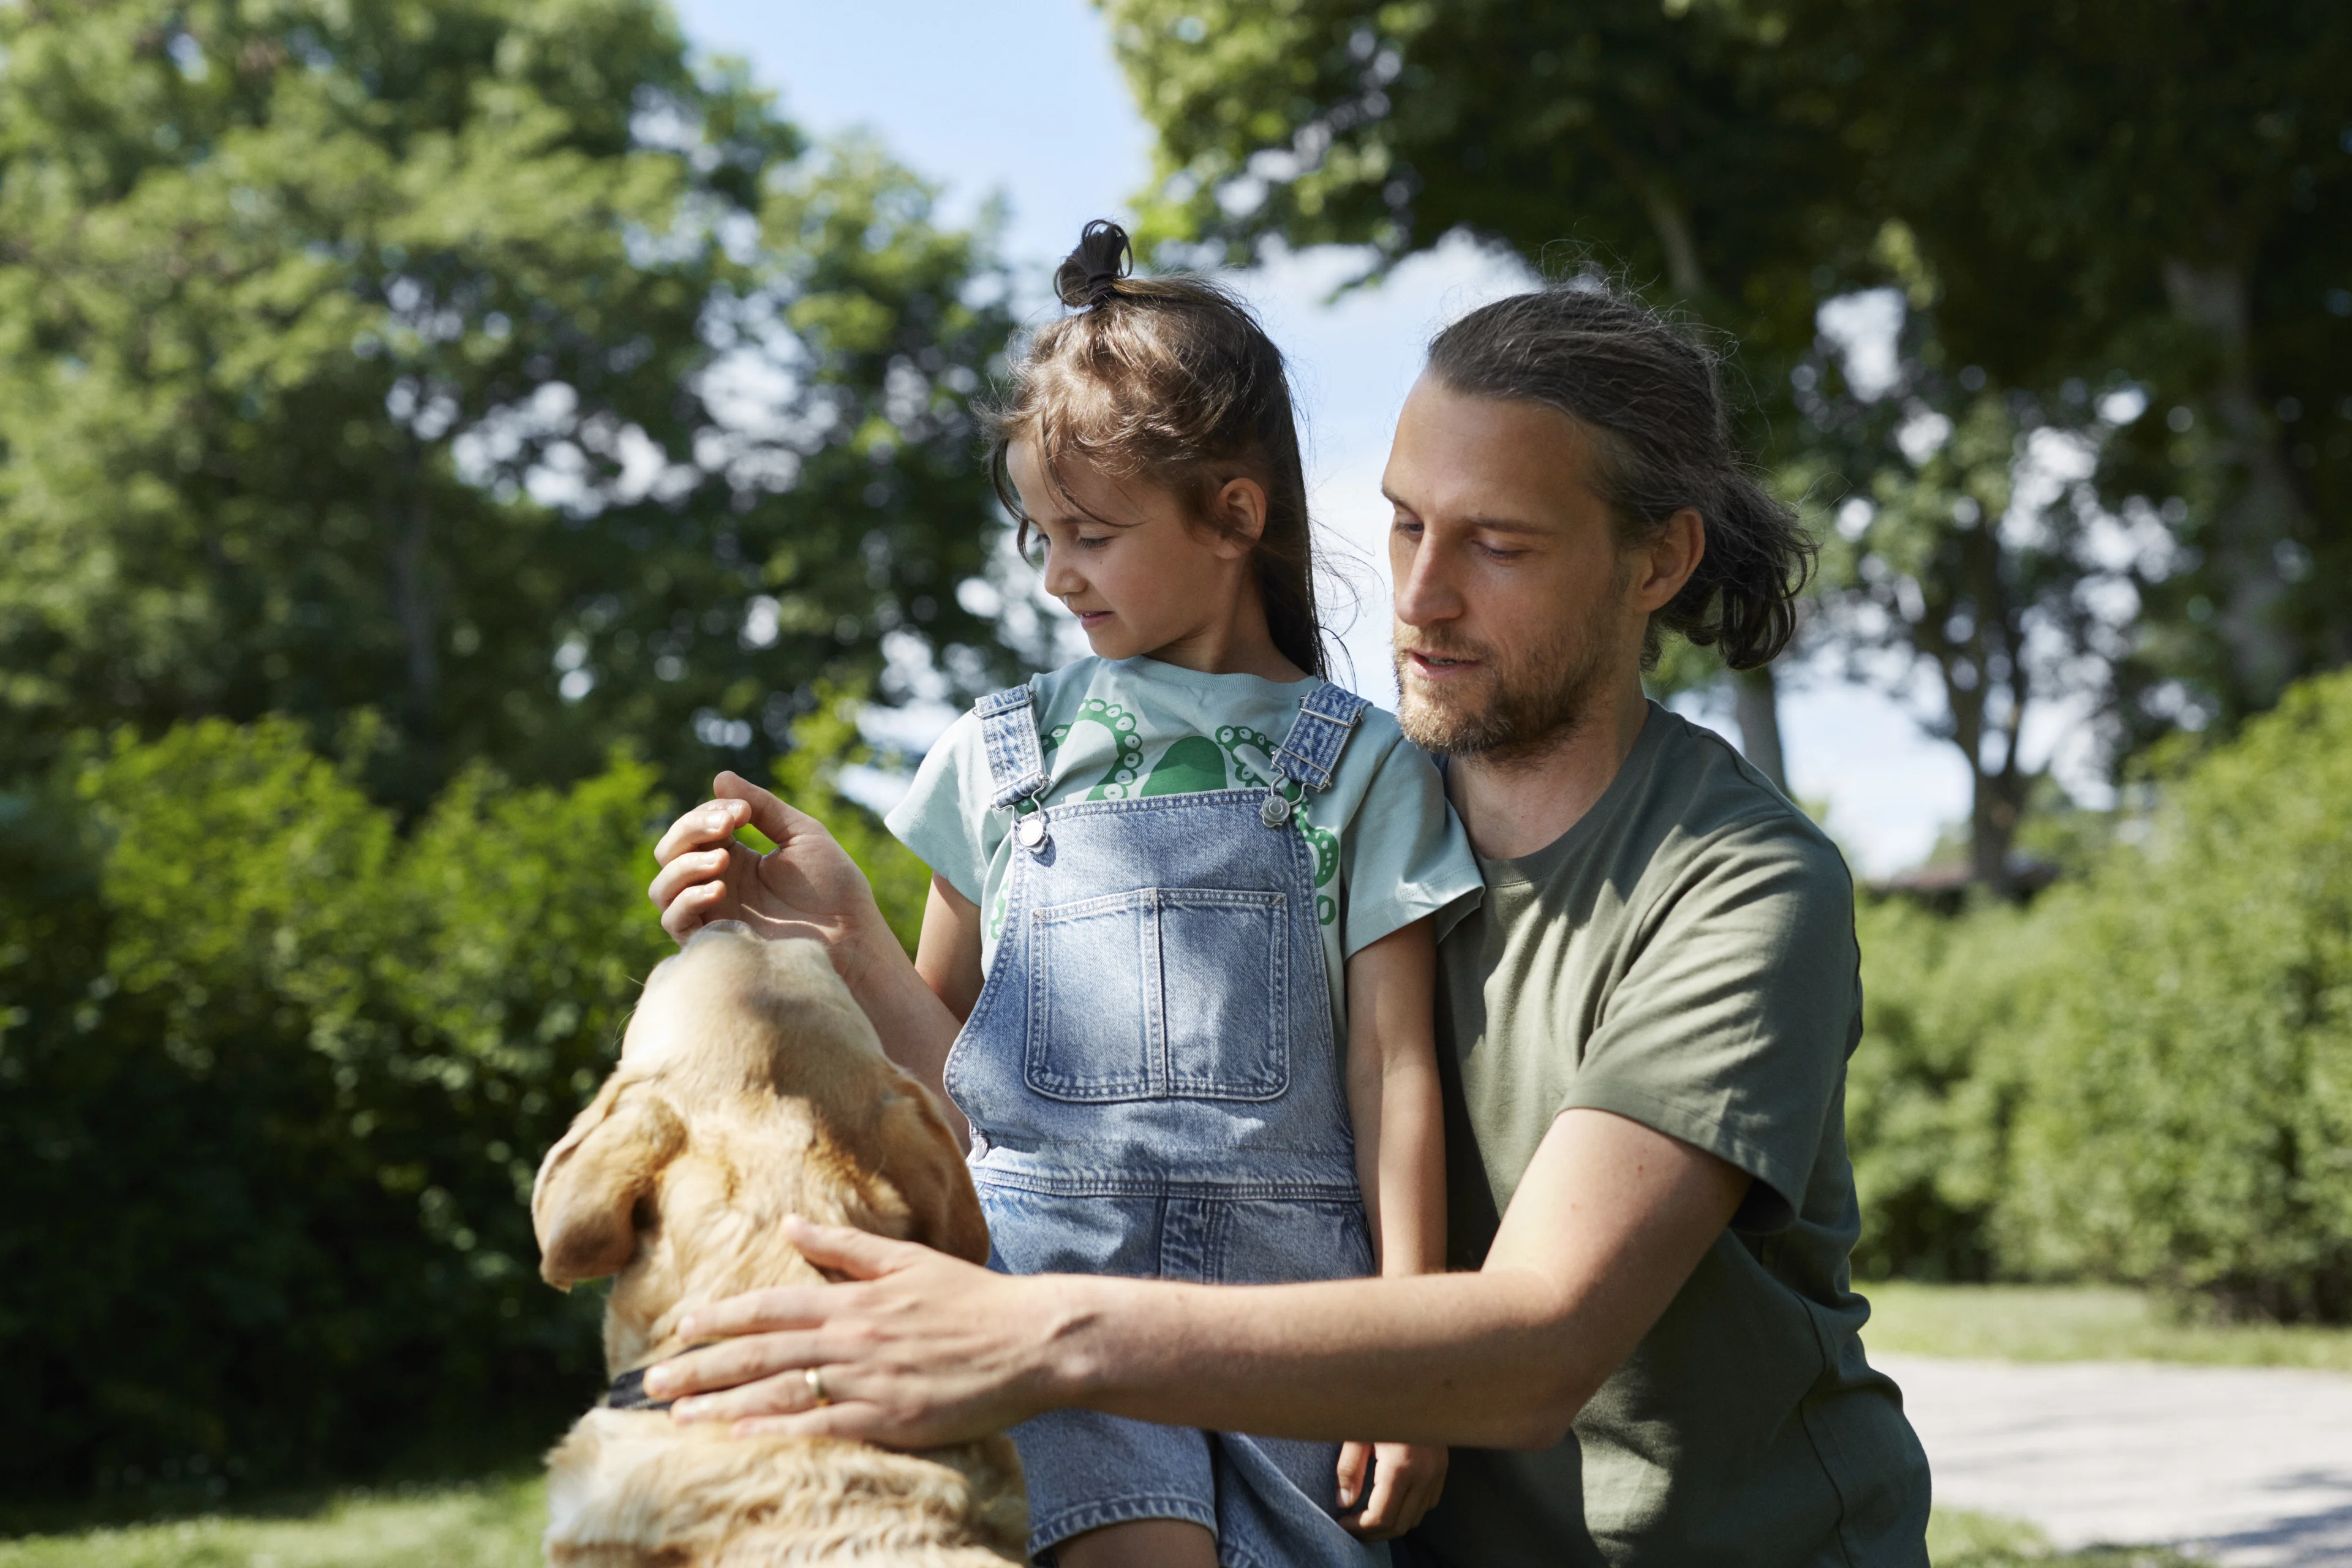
(920, 1349)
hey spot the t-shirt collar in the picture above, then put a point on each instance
(1537, 865)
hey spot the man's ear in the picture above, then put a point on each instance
(920, 1158)
(1667, 558)
(583, 1207)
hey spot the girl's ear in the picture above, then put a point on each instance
(1239, 513)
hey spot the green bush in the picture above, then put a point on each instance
(1928, 1097)
(277, 1077)
(275, 1073)
(2188, 1122)
(2147, 1076)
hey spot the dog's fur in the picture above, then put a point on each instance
(751, 1086)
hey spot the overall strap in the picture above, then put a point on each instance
(1310, 754)
(1015, 765)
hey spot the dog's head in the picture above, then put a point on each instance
(751, 1086)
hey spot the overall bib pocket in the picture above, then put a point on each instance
(1160, 994)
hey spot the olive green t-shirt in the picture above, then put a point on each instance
(1683, 956)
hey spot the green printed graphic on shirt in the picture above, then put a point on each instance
(1120, 724)
(1385, 851)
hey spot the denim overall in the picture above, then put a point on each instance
(1154, 1092)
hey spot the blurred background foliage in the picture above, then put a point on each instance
(479, 362)
(2147, 1075)
(2109, 464)
(435, 436)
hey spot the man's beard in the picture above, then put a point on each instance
(1526, 701)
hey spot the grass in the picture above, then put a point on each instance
(497, 1525)
(1957, 1540)
(490, 1524)
(2079, 1322)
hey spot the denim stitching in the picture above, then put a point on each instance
(1077, 1520)
(1085, 1184)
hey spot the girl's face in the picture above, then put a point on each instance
(1139, 576)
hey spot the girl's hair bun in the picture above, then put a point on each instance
(1090, 274)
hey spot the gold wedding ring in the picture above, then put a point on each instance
(818, 1397)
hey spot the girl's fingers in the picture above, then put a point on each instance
(850, 1418)
(712, 822)
(692, 908)
(786, 1392)
(1353, 1460)
(1378, 1520)
(687, 870)
(763, 808)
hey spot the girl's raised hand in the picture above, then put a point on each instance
(1405, 1482)
(807, 886)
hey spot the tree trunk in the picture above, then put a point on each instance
(413, 594)
(1755, 704)
(1995, 804)
(2265, 513)
(1755, 696)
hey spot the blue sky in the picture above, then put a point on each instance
(1023, 98)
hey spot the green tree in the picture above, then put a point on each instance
(1647, 138)
(2076, 203)
(2159, 194)
(481, 361)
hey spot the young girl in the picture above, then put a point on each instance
(1168, 879)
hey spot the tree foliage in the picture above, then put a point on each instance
(431, 437)
(483, 362)
(2109, 190)
(2070, 203)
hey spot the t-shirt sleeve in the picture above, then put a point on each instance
(1731, 1026)
(1404, 854)
(937, 819)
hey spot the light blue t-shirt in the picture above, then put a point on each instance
(1388, 850)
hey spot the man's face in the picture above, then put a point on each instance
(1513, 605)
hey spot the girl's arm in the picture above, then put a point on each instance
(807, 887)
(947, 956)
(1393, 1099)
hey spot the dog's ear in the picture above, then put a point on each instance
(583, 1207)
(920, 1158)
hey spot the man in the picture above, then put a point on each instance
(1651, 1353)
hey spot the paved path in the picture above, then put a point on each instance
(2251, 1467)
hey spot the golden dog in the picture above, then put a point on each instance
(751, 1086)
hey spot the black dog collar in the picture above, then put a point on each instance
(628, 1390)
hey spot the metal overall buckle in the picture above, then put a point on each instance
(1281, 798)
(1029, 824)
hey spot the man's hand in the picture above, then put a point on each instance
(917, 1348)
(807, 886)
(1406, 1481)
